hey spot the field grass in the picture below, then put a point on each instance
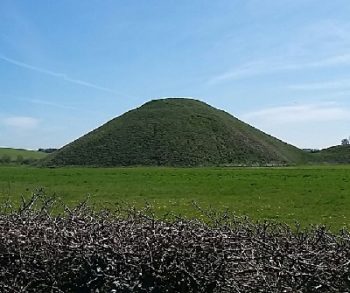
(26, 154)
(310, 195)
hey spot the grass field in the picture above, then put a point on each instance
(26, 154)
(306, 194)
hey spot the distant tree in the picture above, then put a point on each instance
(19, 159)
(345, 141)
(311, 150)
(48, 151)
(6, 159)
(28, 161)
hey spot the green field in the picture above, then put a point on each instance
(309, 195)
(26, 154)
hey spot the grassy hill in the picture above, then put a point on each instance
(335, 155)
(19, 155)
(175, 132)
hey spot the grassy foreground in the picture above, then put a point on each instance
(310, 195)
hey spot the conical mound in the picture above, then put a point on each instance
(175, 132)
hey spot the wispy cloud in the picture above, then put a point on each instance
(242, 71)
(21, 122)
(262, 67)
(299, 113)
(317, 125)
(342, 84)
(47, 103)
(59, 75)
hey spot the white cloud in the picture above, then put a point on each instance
(320, 44)
(342, 84)
(306, 126)
(262, 67)
(343, 59)
(241, 72)
(299, 113)
(21, 122)
(327, 35)
(46, 103)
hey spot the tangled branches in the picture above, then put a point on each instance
(82, 250)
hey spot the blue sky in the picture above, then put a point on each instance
(66, 67)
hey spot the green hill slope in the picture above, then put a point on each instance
(335, 155)
(19, 155)
(176, 132)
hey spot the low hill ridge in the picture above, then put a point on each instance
(8, 155)
(339, 154)
(175, 132)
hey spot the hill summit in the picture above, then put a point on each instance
(175, 132)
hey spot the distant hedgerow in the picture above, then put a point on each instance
(83, 250)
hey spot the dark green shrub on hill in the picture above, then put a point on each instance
(5, 159)
(175, 132)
